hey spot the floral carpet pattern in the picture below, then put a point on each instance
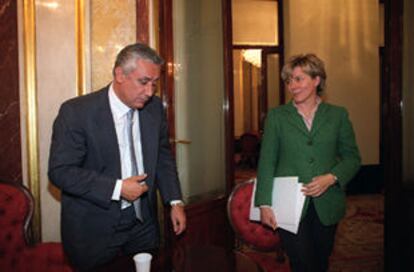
(359, 240)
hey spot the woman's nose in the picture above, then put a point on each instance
(292, 84)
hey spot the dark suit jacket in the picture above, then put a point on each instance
(85, 163)
(290, 149)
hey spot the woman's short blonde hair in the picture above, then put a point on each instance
(310, 64)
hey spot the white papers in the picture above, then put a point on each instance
(287, 203)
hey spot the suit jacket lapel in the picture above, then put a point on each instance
(295, 119)
(148, 139)
(105, 132)
(321, 116)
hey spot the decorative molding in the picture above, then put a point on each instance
(229, 93)
(29, 40)
(80, 47)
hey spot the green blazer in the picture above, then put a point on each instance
(288, 148)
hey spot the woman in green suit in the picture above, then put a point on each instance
(315, 141)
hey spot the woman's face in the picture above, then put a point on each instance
(302, 86)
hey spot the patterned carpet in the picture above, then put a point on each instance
(359, 240)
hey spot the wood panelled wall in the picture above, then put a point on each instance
(207, 224)
(10, 145)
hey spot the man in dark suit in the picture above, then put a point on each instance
(109, 153)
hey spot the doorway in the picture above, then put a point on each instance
(257, 51)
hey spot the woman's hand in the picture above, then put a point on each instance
(318, 185)
(267, 217)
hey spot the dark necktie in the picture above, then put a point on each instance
(134, 167)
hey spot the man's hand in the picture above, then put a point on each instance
(133, 187)
(318, 185)
(178, 219)
(267, 217)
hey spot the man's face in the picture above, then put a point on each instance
(136, 88)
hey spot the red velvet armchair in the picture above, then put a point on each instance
(16, 251)
(262, 244)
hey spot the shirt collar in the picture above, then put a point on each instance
(318, 102)
(119, 109)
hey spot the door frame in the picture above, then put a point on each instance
(210, 208)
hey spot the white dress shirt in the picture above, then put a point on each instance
(119, 113)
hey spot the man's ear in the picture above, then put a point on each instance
(119, 75)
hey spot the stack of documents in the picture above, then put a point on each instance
(287, 203)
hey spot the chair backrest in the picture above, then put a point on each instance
(16, 210)
(17, 250)
(250, 232)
